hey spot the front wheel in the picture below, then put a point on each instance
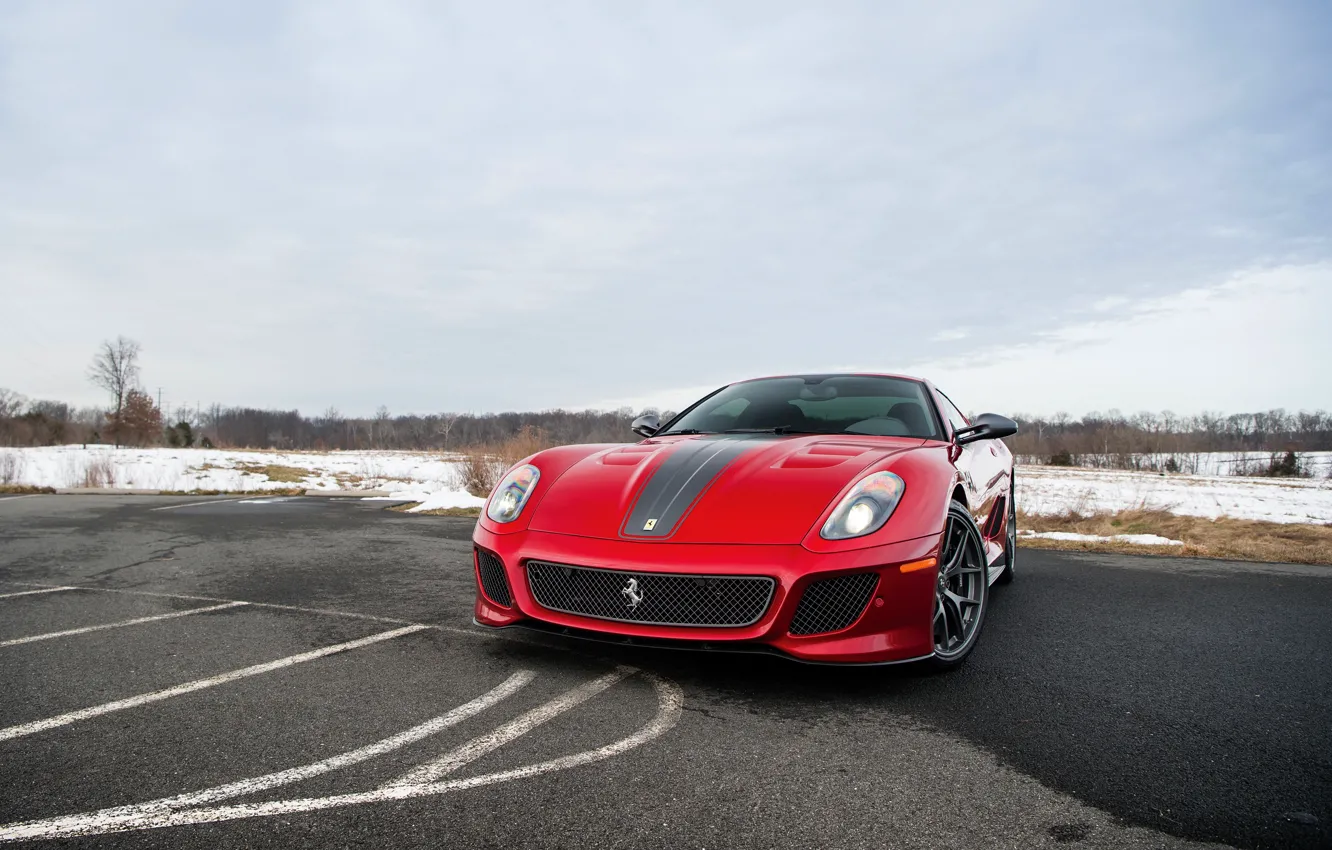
(962, 591)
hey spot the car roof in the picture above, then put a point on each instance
(836, 375)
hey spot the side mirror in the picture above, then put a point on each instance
(646, 426)
(986, 426)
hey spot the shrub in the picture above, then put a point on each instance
(1287, 466)
(1171, 465)
(180, 434)
(478, 474)
(11, 467)
(138, 422)
(479, 471)
(1062, 458)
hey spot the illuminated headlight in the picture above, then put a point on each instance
(506, 503)
(866, 508)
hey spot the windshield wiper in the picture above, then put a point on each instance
(780, 429)
(683, 431)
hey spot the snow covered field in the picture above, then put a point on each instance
(1056, 490)
(416, 476)
(430, 478)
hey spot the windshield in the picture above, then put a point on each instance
(816, 404)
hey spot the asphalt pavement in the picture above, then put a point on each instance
(303, 672)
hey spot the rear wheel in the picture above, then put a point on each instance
(1010, 538)
(962, 591)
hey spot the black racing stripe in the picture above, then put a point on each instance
(681, 479)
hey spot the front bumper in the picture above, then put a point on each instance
(895, 626)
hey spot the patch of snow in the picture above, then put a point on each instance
(1140, 539)
(452, 499)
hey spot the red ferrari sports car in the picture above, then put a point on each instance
(849, 518)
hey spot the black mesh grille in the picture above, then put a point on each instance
(832, 604)
(660, 599)
(493, 581)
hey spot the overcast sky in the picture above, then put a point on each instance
(484, 206)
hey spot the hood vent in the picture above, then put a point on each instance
(822, 456)
(632, 456)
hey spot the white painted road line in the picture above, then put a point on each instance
(198, 504)
(477, 747)
(34, 592)
(133, 813)
(670, 701)
(134, 622)
(198, 685)
(324, 611)
(505, 689)
(16, 498)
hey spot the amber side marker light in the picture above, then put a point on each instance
(925, 564)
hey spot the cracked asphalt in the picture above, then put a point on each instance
(1114, 701)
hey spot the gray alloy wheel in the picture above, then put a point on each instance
(962, 591)
(1010, 538)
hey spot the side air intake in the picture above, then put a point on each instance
(832, 604)
(494, 583)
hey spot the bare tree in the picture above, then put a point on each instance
(115, 369)
(444, 425)
(11, 403)
(382, 430)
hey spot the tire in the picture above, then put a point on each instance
(962, 590)
(1010, 538)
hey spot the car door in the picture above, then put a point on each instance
(983, 465)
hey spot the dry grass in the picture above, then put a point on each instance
(276, 472)
(100, 472)
(23, 489)
(481, 469)
(1231, 539)
(472, 513)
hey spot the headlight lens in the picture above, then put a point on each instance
(506, 503)
(866, 508)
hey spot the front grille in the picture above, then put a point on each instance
(832, 604)
(493, 581)
(658, 599)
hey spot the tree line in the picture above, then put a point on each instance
(1163, 441)
(1170, 442)
(1111, 434)
(140, 423)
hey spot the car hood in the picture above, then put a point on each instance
(732, 488)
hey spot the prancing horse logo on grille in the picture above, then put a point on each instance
(632, 593)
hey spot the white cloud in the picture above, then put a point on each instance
(951, 335)
(1257, 341)
(1188, 352)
